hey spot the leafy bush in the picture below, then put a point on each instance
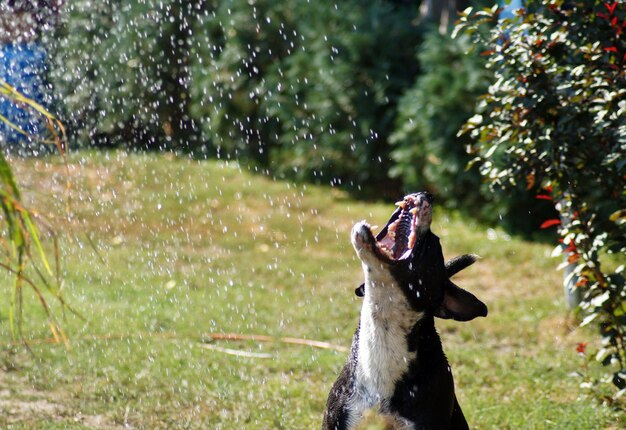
(308, 90)
(426, 150)
(554, 121)
(121, 70)
(244, 43)
(349, 75)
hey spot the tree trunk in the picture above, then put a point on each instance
(443, 13)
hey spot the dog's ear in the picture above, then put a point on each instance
(360, 291)
(459, 263)
(459, 304)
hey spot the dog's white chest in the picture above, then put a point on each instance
(383, 355)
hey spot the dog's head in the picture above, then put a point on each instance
(407, 255)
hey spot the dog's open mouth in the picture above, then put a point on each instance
(413, 217)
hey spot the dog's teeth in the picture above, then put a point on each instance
(385, 249)
(401, 204)
(413, 211)
(412, 239)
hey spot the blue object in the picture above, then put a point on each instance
(510, 8)
(22, 66)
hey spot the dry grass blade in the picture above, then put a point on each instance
(20, 231)
(237, 352)
(265, 338)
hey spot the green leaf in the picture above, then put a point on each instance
(588, 319)
(618, 217)
(6, 176)
(34, 235)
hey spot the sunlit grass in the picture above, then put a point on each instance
(187, 248)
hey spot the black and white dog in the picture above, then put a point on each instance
(396, 364)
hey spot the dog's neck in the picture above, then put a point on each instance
(384, 354)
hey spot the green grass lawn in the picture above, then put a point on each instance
(187, 248)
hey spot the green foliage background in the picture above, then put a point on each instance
(120, 69)
(308, 90)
